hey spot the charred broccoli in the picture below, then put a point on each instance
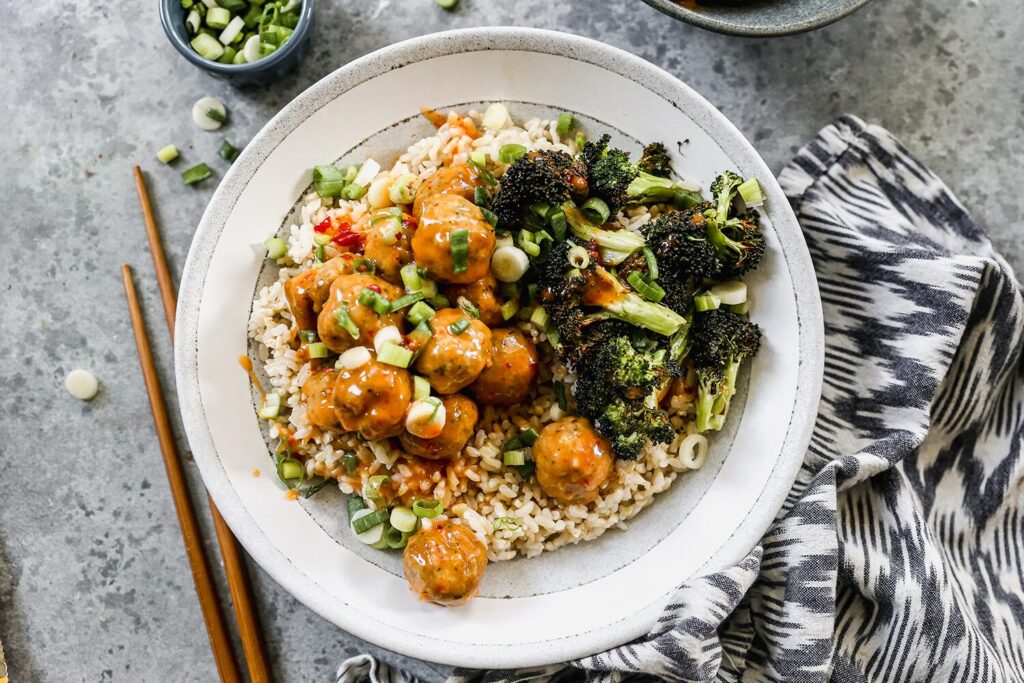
(655, 160)
(542, 176)
(738, 240)
(566, 292)
(620, 182)
(720, 341)
(619, 379)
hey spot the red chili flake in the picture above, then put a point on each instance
(409, 223)
(347, 238)
(373, 288)
(323, 226)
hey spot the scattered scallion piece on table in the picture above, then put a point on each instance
(201, 110)
(447, 4)
(228, 152)
(196, 174)
(167, 154)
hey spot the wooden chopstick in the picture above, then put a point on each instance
(234, 567)
(220, 641)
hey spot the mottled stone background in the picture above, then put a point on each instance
(93, 581)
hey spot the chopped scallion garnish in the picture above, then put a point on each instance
(648, 290)
(345, 321)
(372, 487)
(750, 191)
(596, 211)
(706, 302)
(481, 198)
(459, 326)
(276, 247)
(420, 388)
(367, 522)
(458, 243)
(560, 395)
(509, 308)
(407, 300)
(420, 312)
(507, 154)
(328, 181)
(564, 124)
(514, 458)
(427, 507)
(396, 355)
(652, 264)
(318, 350)
(468, 307)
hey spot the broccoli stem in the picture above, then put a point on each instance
(632, 309)
(616, 245)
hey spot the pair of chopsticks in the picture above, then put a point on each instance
(241, 594)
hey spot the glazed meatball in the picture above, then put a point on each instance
(372, 399)
(307, 291)
(483, 294)
(431, 244)
(444, 563)
(344, 294)
(460, 419)
(389, 258)
(461, 179)
(318, 392)
(452, 361)
(572, 460)
(507, 380)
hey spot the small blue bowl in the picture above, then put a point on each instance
(263, 71)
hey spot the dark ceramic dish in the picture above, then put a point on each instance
(268, 69)
(758, 18)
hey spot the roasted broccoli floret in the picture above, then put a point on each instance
(542, 176)
(720, 341)
(655, 160)
(619, 379)
(724, 189)
(620, 182)
(679, 240)
(737, 239)
(574, 297)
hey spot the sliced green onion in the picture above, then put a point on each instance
(420, 387)
(706, 302)
(354, 504)
(564, 124)
(228, 152)
(648, 290)
(167, 154)
(523, 439)
(395, 539)
(439, 301)
(741, 309)
(322, 239)
(750, 191)
(252, 50)
(218, 18)
(328, 181)
(731, 293)
(364, 265)
(350, 461)
(514, 458)
(411, 278)
(216, 115)
(421, 335)
(365, 522)
(427, 507)
(239, 58)
(375, 300)
(371, 489)
(229, 55)
(506, 523)
(481, 198)
(407, 300)
(353, 192)
(581, 140)
(539, 317)
(320, 253)
(543, 240)
(318, 350)
(596, 211)
(558, 224)
(429, 288)
(478, 158)
(192, 22)
(489, 216)
(578, 257)
(459, 246)
(195, 174)
(396, 355)
(527, 244)
(207, 46)
(403, 190)
(507, 154)
(276, 247)
(420, 312)
(447, 4)
(560, 395)
(468, 307)
(308, 336)
(290, 469)
(271, 406)
(459, 326)
(652, 264)
(404, 519)
(509, 309)
(345, 321)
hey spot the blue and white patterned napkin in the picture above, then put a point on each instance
(899, 555)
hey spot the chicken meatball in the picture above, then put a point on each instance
(461, 179)
(442, 216)
(318, 392)
(572, 460)
(460, 419)
(452, 361)
(507, 380)
(344, 300)
(372, 399)
(483, 294)
(389, 256)
(307, 291)
(444, 563)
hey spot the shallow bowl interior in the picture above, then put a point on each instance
(759, 18)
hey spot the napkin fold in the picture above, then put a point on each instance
(899, 554)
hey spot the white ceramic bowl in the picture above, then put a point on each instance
(561, 605)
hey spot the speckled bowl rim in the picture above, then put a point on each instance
(794, 251)
(709, 22)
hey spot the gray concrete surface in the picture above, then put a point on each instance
(93, 581)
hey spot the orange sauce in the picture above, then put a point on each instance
(436, 118)
(256, 472)
(291, 494)
(246, 364)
